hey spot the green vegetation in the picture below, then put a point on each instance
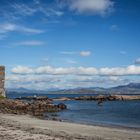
(1, 97)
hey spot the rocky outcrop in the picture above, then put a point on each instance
(35, 108)
(62, 106)
(62, 99)
(127, 97)
(35, 98)
(102, 98)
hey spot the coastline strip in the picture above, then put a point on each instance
(63, 130)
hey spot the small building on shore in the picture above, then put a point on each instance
(2, 81)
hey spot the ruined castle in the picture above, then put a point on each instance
(2, 81)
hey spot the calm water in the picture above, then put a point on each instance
(119, 113)
(110, 113)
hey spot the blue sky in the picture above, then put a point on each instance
(70, 43)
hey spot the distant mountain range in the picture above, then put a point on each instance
(132, 88)
(129, 86)
(24, 90)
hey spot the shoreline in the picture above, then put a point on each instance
(117, 126)
(64, 130)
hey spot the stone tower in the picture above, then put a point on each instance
(2, 81)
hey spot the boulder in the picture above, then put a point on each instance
(62, 106)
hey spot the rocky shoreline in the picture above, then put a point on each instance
(17, 120)
(38, 106)
(101, 98)
(35, 108)
(90, 98)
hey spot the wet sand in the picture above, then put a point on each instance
(24, 127)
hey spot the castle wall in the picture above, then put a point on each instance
(2, 81)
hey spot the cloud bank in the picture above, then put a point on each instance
(116, 71)
(46, 77)
(44, 82)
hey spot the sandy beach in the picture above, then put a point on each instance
(24, 127)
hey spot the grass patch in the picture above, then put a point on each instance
(1, 97)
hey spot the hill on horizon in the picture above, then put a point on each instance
(126, 89)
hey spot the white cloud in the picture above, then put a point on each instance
(137, 61)
(22, 70)
(116, 71)
(120, 71)
(82, 53)
(91, 7)
(29, 30)
(46, 77)
(68, 53)
(86, 71)
(30, 43)
(54, 71)
(114, 28)
(85, 53)
(44, 82)
(9, 27)
(32, 81)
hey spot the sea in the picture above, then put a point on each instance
(110, 113)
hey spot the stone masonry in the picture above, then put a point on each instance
(2, 81)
